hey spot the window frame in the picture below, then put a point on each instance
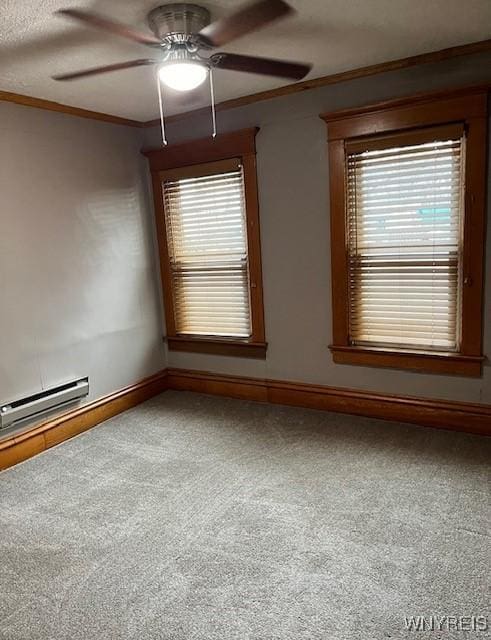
(241, 145)
(467, 107)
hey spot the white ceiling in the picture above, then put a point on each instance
(335, 35)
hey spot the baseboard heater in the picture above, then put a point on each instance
(40, 403)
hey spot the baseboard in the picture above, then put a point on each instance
(51, 432)
(442, 414)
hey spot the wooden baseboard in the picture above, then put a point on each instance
(25, 445)
(442, 414)
(220, 385)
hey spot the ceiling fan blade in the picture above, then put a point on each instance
(97, 70)
(264, 66)
(101, 22)
(250, 17)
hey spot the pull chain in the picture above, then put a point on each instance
(161, 107)
(213, 114)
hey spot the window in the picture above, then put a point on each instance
(207, 239)
(208, 234)
(404, 208)
(407, 222)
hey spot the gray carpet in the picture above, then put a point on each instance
(193, 517)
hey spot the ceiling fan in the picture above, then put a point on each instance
(182, 32)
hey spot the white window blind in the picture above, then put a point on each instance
(207, 241)
(405, 210)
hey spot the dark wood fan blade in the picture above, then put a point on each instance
(101, 22)
(247, 19)
(264, 66)
(97, 70)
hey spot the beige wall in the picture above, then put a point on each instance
(294, 210)
(77, 273)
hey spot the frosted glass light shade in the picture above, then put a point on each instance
(183, 76)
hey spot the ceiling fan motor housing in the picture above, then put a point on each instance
(178, 21)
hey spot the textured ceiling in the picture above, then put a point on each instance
(335, 35)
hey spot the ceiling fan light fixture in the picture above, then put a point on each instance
(181, 30)
(183, 76)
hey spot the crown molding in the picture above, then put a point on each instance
(49, 105)
(335, 78)
(297, 87)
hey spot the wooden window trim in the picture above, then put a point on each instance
(222, 346)
(187, 157)
(457, 107)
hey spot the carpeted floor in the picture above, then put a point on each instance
(193, 517)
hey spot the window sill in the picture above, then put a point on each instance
(217, 346)
(422, 361)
